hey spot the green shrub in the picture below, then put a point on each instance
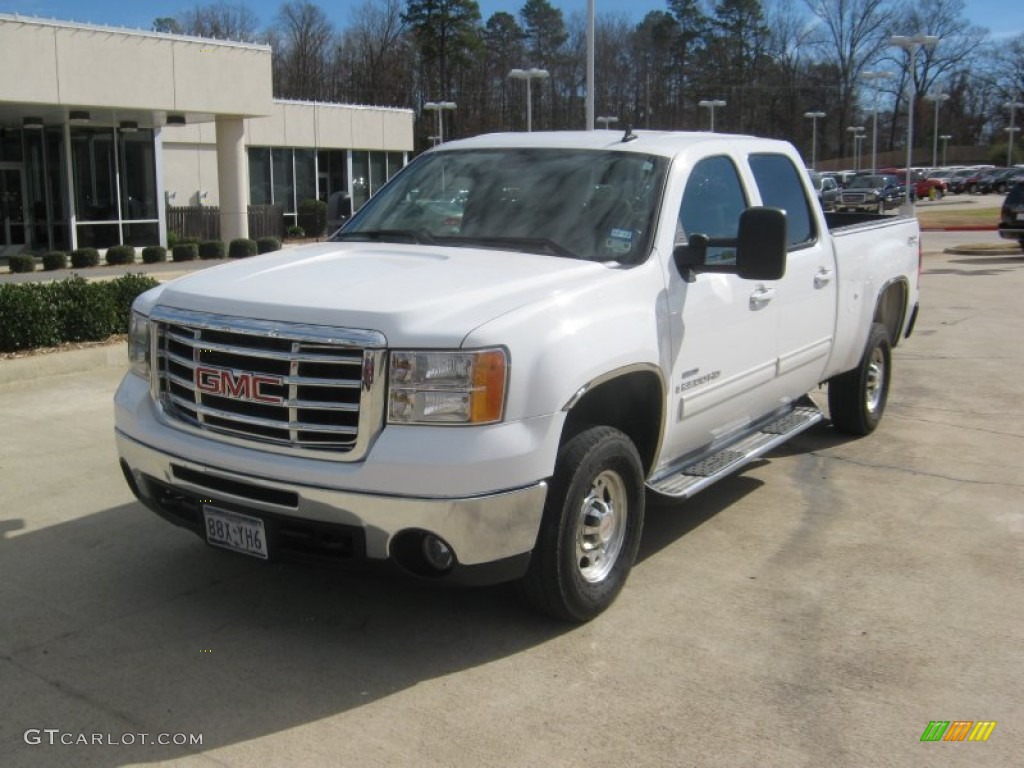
(120, 254)
(55, 260)
(241, 247)
(172, 239)
(22, 262)
(27, 316)
(211, 249)
(268, 244)
(84, 312)
(185, 252)
(294, 231)
(122, 292)
(154, 254)
(313, 217)
(85, 257)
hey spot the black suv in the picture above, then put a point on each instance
(871, 192)
(1011, 220)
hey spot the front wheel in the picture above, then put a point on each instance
(857, 398)
(591, 527)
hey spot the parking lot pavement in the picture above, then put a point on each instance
(819, 609)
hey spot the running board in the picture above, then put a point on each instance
(697, 475)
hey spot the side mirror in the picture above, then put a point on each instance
(761, 244)
(760, 248)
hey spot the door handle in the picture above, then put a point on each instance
(822, 277)
(761, 296)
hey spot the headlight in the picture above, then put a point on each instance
(447, 387)
(138, 344)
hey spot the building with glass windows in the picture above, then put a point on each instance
(102, 129)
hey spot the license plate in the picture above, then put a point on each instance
(240, 533)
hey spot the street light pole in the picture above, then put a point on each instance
(1013, 106)
(437, 107)
(938, 97)
(529, 75)
(945, 145)
(814, 117)
(911, 44)
(857, 132)
(711, 104)
(873, 77)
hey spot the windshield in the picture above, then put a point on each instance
(867, 182)
(597, 205)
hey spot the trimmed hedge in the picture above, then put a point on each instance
(47, 314)
(55, 260)
(84, 258)
(268, 244)
(313, 217)
(211, 249)
(120, 254)
(185, 252)
(22, 262)
(154, 254)
(241, 247)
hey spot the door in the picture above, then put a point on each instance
(12, 208)
(806, 294)
(723, 328)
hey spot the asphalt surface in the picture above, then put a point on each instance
(818, 609)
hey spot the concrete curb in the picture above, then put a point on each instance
(59, 362)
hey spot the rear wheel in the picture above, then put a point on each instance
(857, 398)
(591, 528)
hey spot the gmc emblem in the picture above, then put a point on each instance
(241, 386)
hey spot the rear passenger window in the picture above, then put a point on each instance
(779, 182)
(712, 203)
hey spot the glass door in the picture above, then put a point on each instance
(12, 207)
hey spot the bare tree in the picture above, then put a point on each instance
(305, 37)
(220, 21)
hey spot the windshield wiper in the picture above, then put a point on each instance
(526, 244)
(419, 236)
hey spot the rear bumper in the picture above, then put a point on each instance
(490, 535)
(1011, 233)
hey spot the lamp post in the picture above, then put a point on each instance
(874, 77)
(910, 45)
(938, 97)
(945, 145)
(711, 104)
(529, 75)
(607, 121)
(437, 107)
(1013, 106)
(814, 117)
(857, 133)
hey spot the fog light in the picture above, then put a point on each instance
(438, 555)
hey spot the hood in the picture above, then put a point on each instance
(415, 295)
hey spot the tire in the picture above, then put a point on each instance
(591, 527)
(857, 398)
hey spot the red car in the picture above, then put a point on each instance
(923, 185)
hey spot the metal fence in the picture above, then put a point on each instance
(203, 222)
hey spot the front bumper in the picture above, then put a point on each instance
(490, 535)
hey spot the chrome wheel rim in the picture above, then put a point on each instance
(602, 526)
(875, 387)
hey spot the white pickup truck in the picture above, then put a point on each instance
(482, 375)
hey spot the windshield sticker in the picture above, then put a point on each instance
(619, 241)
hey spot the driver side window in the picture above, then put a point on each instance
(712, 203)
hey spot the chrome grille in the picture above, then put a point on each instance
(289, 387)
(854, 197)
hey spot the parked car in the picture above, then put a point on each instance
(923, 184)
(827, 189)
(871, 192)
(999, 181)
(1011, 217)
